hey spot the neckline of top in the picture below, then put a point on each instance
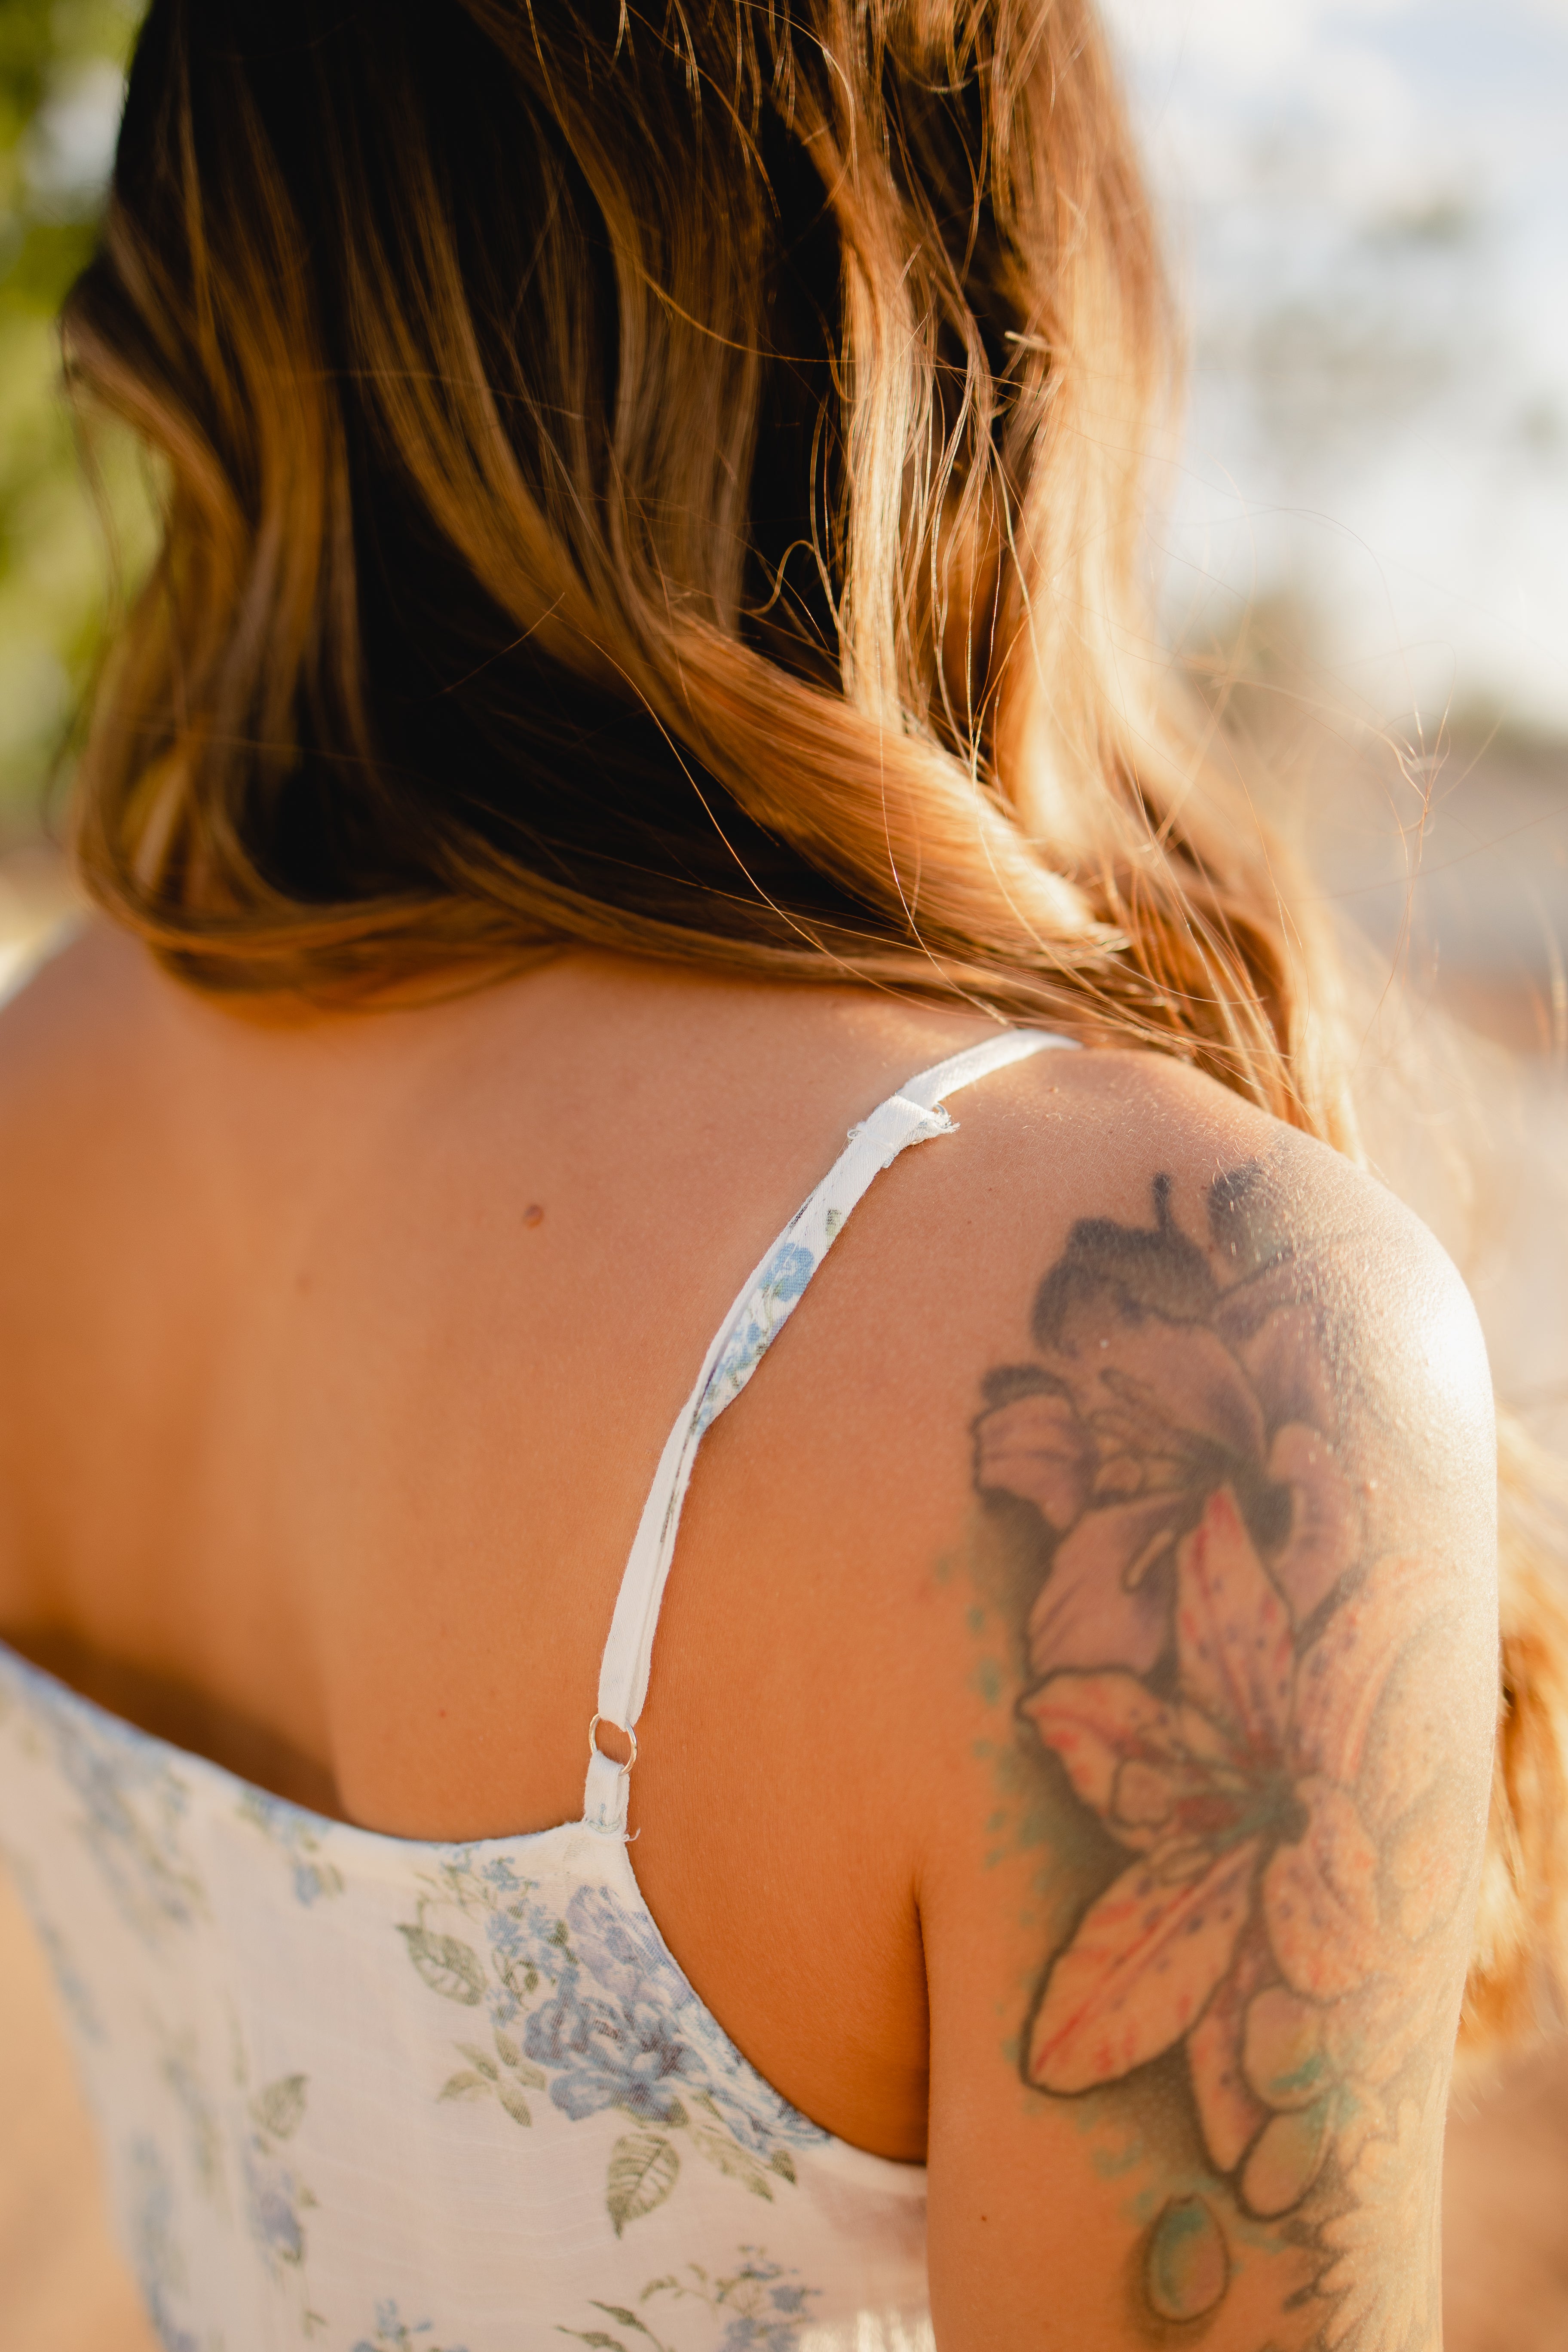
(190, 1761)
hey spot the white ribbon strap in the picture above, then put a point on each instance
(764, 1304)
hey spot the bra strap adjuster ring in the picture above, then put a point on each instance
(595, 1749)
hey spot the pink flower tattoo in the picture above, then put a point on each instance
(1209, 1673)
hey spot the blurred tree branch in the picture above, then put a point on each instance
(61, 83)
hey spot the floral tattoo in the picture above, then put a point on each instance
(1214, 1656)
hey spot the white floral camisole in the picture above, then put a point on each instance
(377, 2094)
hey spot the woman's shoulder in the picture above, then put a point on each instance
(1044, 1346)
(1072, 1170)
(1117, 1302)
(1193, 1636)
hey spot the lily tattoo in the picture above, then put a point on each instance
(1210, 1656)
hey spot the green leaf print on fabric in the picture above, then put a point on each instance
(515, 2105)
(734, 2162)
(643, 2171)
(275, 2198)
(467, 2085)
(447, 1965)
(482, 2076)
(476, 2057)
(759, 2307)
(279, 2106)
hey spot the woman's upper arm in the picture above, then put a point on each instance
(1196, 1907)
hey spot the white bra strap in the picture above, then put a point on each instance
(759, 1314)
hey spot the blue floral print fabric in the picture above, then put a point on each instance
(323, 2061)
(628, 2031)
(781, 1282)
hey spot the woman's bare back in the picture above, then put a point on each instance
(336, 1355)
(339, 1356)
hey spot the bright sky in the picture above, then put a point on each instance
(1369, 215)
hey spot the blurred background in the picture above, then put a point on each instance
(62, 83)
(1363, 537)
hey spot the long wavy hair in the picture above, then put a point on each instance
(673, 479)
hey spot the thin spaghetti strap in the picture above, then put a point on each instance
(764, 1306)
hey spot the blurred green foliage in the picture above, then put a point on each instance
(61, 83)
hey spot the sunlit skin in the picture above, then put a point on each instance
(1232, 1673)
(336, 1354)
